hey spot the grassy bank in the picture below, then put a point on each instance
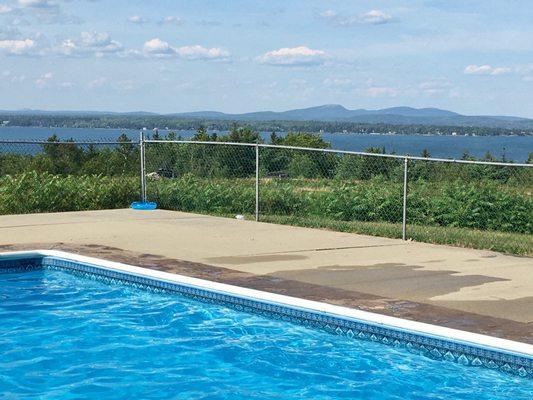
(511, 243)
(481, 205)
(484, 215)
(38, 193)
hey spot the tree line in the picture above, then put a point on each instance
(179, 123)
(171, 160)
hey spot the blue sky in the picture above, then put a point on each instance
(473, 57)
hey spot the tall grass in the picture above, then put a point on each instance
(485, 215)
(481, 205)
(34, 193)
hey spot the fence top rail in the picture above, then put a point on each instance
(334, 151)
(41, 142)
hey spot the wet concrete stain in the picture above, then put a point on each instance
(417, 311)
(389, 279)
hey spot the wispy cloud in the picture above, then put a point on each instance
(486, 69)
(90, 43)
(373, 17)
(17, 47)
(137, 19)
(293, 57)
(171, 20)
(198, 52)
(159, 48)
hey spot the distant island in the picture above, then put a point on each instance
(326, 118)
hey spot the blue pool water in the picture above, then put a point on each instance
(64, 337)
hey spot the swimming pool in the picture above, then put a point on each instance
(74, 327)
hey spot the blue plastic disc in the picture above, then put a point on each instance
(140, 205)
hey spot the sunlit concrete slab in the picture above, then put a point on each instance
(474, 281)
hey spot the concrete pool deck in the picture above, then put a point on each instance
(475, 290)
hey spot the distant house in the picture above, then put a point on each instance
(5, 123)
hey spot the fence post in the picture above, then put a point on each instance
(404, 217)
(143, 167)
(257, 182)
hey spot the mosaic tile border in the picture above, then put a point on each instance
(432, 347)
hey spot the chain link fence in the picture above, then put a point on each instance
(54, 176)
(468, 203)
(461, 202)
(206, 178)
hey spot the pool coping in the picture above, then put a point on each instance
(482, 345)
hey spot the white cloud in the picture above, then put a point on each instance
(293, 56)
(485, 70)
(171, 20)
(199, 52)
(374, 17)
(478, 69)
(99, 42)
(90, 43)
(159, 48)
(136, 19)
(17, 47)
(329, 14)
(500, 70)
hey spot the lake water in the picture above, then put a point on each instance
(514, 148)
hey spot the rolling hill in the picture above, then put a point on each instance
(324, 113)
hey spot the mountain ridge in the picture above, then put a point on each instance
(401, 115)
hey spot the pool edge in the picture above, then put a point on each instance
(439, 333)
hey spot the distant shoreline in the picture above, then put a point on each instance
(337, 127)
(163, 130)
(510, 147)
